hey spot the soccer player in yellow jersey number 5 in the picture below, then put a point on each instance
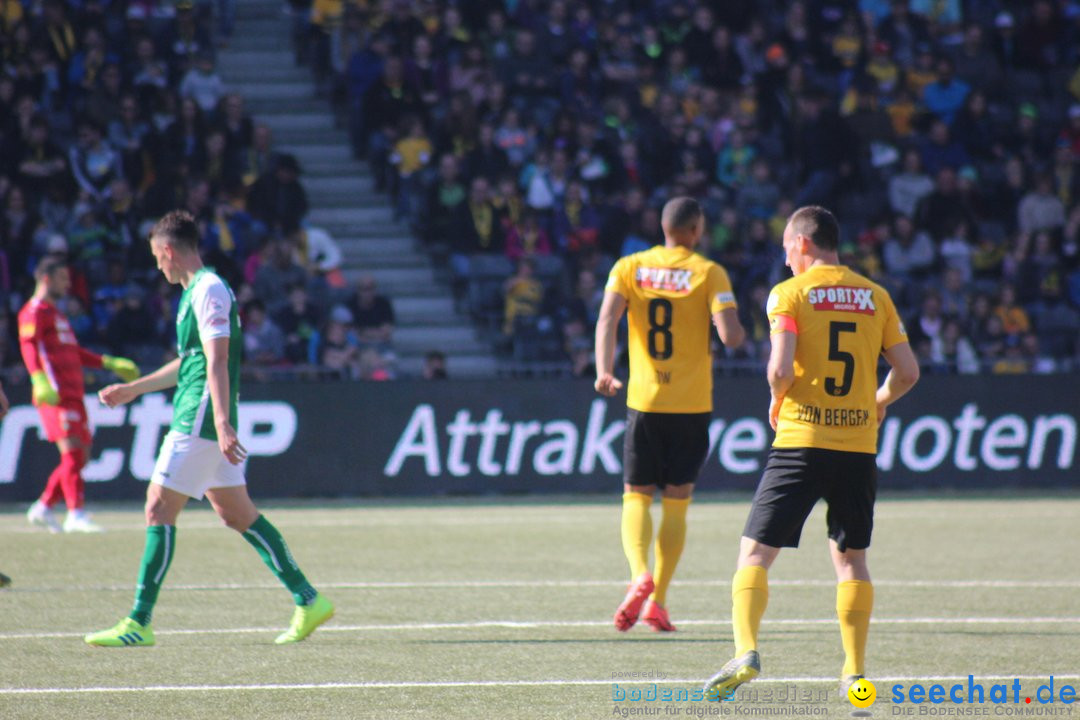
(671, 294)
(828, 325)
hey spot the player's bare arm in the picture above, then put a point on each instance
(729, 328)
(781, 371)
(161, 379)
(4, 404)
(611, 311)
(903, 374)
(217, 377)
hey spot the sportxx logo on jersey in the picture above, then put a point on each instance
(668, 279)
(843, 298)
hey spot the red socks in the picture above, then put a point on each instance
(66, 481)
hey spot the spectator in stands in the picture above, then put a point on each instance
(908, 187)
(528, 239)
(131, 330)
(974, 127)
(298, 322)
(480, 226)
(486, 160)
(577, 223)
(336, 347)
(94, 163)
(523, 293)
(41, 165)
(387, 103)
(373, 366)
(264, 343)
(321, 254)
(183, 140)
(1041, 209)
(260, 158)
(373, 315)
(1014, 319)
(908, 254)
(278, 198)
(952, 353)
(944, 209)
(446, 205)
(277, 274)
(202, 84)
(128, 135)
(940, 150)
(410, 156)
(186, 38)
(946, 95)
(434, 366)
(760, 195)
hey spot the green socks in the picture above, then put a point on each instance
(158, 553)
(266, 539)
(161, 545)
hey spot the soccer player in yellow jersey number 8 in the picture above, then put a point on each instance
(671, 294)
(828, 326)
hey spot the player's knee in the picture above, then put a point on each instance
(237, 519)
(851, 565)
(156, 511)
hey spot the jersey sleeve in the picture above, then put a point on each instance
(721, 296)
(893, 332)
(89, 359)
(30, 332)
(212, 303)
(781, 311)
(618, 279)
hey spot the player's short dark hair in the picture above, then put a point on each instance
(818, 224)
(48, 267)
(179, 228)
(681, 213)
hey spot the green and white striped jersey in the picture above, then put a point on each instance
(207, 310)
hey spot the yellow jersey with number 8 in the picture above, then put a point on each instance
(671, 295)
(843, 322)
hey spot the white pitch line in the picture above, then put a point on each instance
(541, 624)
(479, 584)
(484, 684)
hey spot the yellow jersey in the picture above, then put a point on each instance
(671, 295)
(843, 322)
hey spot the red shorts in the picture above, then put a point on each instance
(66, 420)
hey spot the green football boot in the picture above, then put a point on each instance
(737, 671)
(126, 633)
(305, 619)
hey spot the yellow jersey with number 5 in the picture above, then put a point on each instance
(843, 322)
(671, 295)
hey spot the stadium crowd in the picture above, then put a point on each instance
(113, 114)
(531, 142)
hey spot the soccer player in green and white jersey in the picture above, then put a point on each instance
(201, 454)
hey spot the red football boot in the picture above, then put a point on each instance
(627, 613)
(656, 616)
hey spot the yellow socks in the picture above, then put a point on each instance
(854, 601)
(669, 544)
(749, 598)
(636, 531)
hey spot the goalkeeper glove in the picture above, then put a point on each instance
(43, 393)
(125, 369)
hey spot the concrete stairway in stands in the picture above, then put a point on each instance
(259, 65)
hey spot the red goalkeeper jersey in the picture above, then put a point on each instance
(48, 343)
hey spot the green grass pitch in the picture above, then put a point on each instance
(502, 609)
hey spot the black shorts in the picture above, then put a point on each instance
(796, 478)
(664, 448)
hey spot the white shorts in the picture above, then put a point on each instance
(192, 465)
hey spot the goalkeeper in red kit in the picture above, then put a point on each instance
(55, 363)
